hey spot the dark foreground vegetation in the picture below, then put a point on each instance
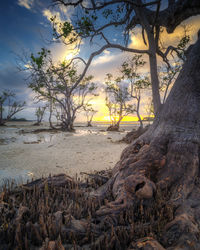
(60, 213)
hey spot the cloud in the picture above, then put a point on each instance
(62, 13)
(192, 27)
(137, 40)
(61, 51)
(48, 14)
(25, 3)
(10, 79)
(103, 59)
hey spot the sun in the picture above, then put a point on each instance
(69, 56)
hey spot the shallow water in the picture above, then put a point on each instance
(25, 155)
(15, 175)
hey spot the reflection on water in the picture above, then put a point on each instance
(5, 141)
(38, 138)
(11, 138)
(82, 132)
(15, 175)
(46, 137)
(12, 135)
(26, 135)
(7, 135)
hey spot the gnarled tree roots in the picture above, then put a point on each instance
(152, 201)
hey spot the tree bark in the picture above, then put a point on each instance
(166, 157)
(50, 114)
(2, 122)
(138, 111)
(89, 124)
(154, 73)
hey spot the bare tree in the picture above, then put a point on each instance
(9, 105)
(39, 112)
(137, 81)
(117, 101)
(89, 112)
(149, 110)
(59, 85)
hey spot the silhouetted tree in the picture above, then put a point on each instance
(117, 101)
(39, 112)
(137, 81)
(60, 86)
(89, 112)
(7, 104)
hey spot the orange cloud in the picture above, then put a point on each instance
(25, 3)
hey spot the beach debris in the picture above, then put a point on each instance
(6, 141)
(32, 142)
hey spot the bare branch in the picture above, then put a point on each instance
(177, 12)
(104, 4)
(156, 15)
(107, 46)
(171, 2)
(123, 21)
(143, 36)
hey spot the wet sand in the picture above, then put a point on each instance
(26, 155)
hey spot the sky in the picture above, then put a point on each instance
(25, 28)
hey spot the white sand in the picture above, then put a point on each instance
(86, 150)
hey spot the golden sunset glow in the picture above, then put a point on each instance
(192, 27)
(70, 55)
(106, 118)
(107, 63)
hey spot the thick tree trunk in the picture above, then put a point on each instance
(89, 124)
(114, 127)
(67, 124)
(166, 157)
(154, 73)
(138, 112)
(50, 115)
(2, 122)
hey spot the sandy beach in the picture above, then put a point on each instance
(26, 155)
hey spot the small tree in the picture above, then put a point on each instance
(13, 107)
(117, 98)
(39, 112)
(89, 112)
(59, 84)
(136, 81)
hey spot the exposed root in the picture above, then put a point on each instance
(134, 134)
(152, 200)
(164, 164)
(51, 216)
